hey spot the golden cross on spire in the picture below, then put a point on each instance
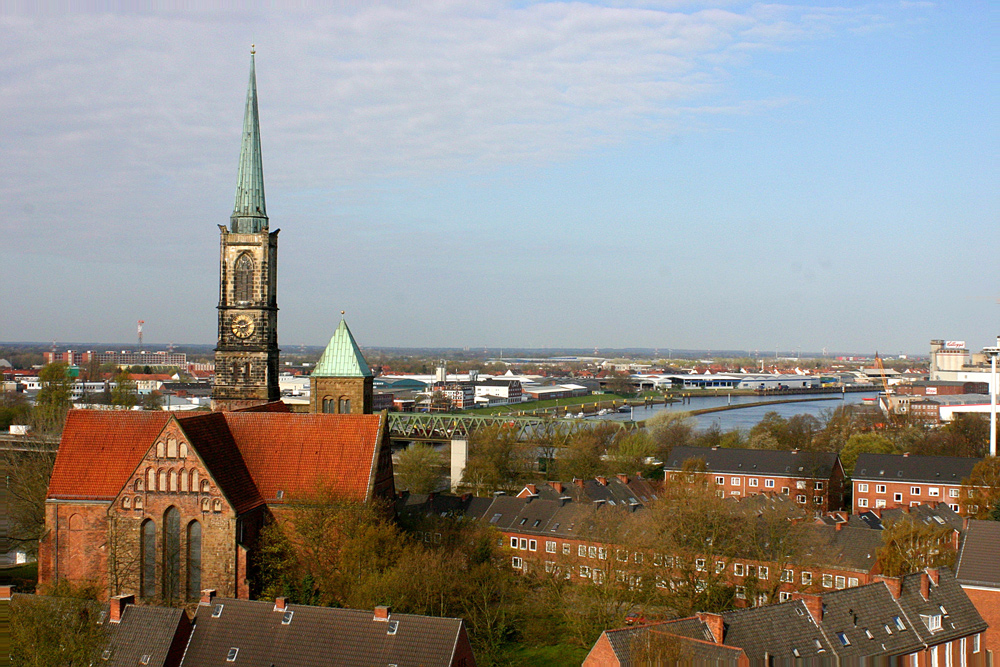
(252, 49)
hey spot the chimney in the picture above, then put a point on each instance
(558, 486)
(623, 478)
(118, 604)
(906, 454)
(935, 575)
(965, 523)
(925, 586)
(207, 595)
(6, 592)
(532, 489)
(382, 613)
(838, 526)
(578, 482)
(603, 481)
(714, 623)
(894, 585)
(814, 603)
(956, 540)
(280, 604)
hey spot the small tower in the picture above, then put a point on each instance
(341, 383)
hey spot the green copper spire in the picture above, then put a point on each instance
(249, 214)
(342, 358)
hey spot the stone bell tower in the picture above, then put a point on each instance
(246, 356)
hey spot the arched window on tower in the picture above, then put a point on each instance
(345, 406)
(328, 406)
(243, 279)
(147, 573)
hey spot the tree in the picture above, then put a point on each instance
(620, 383)
(63, 630)
(669, 430)
(14, 409)
(863, 443)
(419, 469)
(984, 487)
(53, 400)
(629, 454)
(909, 546)
(498, 461)
(152, 401)
(124, 394)
(28, 476)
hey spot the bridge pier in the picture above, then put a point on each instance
(459, 457)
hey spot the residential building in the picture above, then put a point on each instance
(277, 633)
(510, 390)
(923, 619)
(903, 480)
(813, 479)
(978, 572)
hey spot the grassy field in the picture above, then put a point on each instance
(551, 403)
(548, 656)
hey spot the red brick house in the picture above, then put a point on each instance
(162, 505)
(813, 479)
(902, 480)
(979, 575)
(922, 619)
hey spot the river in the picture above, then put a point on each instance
(745, 418)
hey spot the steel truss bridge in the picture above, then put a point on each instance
(445, 427)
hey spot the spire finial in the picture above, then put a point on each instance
(341, 313)
(253, 50)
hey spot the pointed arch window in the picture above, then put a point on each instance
(150, 479)
(171, 554)
(243, 279)
(163, 480)
(184, 450)
(193, 560)
(147, 573)
(194, 480)
(173, 480)
(184, 480)
(172, 448)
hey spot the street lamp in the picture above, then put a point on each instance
(992, 352)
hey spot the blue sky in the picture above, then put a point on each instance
(661, 174)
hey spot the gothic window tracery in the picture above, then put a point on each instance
(243, 279)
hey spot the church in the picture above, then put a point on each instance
(163, 505)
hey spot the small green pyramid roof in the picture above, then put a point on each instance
(342, 357)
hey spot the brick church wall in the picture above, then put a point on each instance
(357, 389)
(75, 545)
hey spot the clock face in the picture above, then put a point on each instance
(243, 326)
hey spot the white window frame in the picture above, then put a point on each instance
(550, 547)
(768, 483)
(954, 493)
(807, 578)
(591, 551)
(516, 562)
(788, 576)
(513, 543)
(879, 502)
(581, 550)
(737, 569)
(522, 543)
(532, 545)
(818, 486)
(567, 548)
(840, 582)
(933, 491)
(914, 490)
(735, 481)
(862, 502)
(897, 497)
(762, 572)
(753, 481)
(827, 580)
(880, 488)
(720, 480)
(862, 488)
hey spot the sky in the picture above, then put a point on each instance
(643, 173)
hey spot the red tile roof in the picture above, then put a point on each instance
(213, 442)
(99, 449)
(273, 406)
(301, 453)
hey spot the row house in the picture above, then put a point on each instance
(920, 620)
(979, 576)
(902, 480)
(574, 529)
(814, 480)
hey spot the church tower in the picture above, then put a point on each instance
(246, 357)
(342, 382)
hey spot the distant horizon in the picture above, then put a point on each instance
(515, 351)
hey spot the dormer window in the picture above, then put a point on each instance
(932, 621)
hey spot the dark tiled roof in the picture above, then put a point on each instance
(977, 561)
(858, 612)
(99, 449)
(212, 440)
(777, 630)
(318, 636)
(925, 469)
(696, 644)
(959, 615)
(850, 548)
(151, 631)
(298, 453)
(819, 465)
